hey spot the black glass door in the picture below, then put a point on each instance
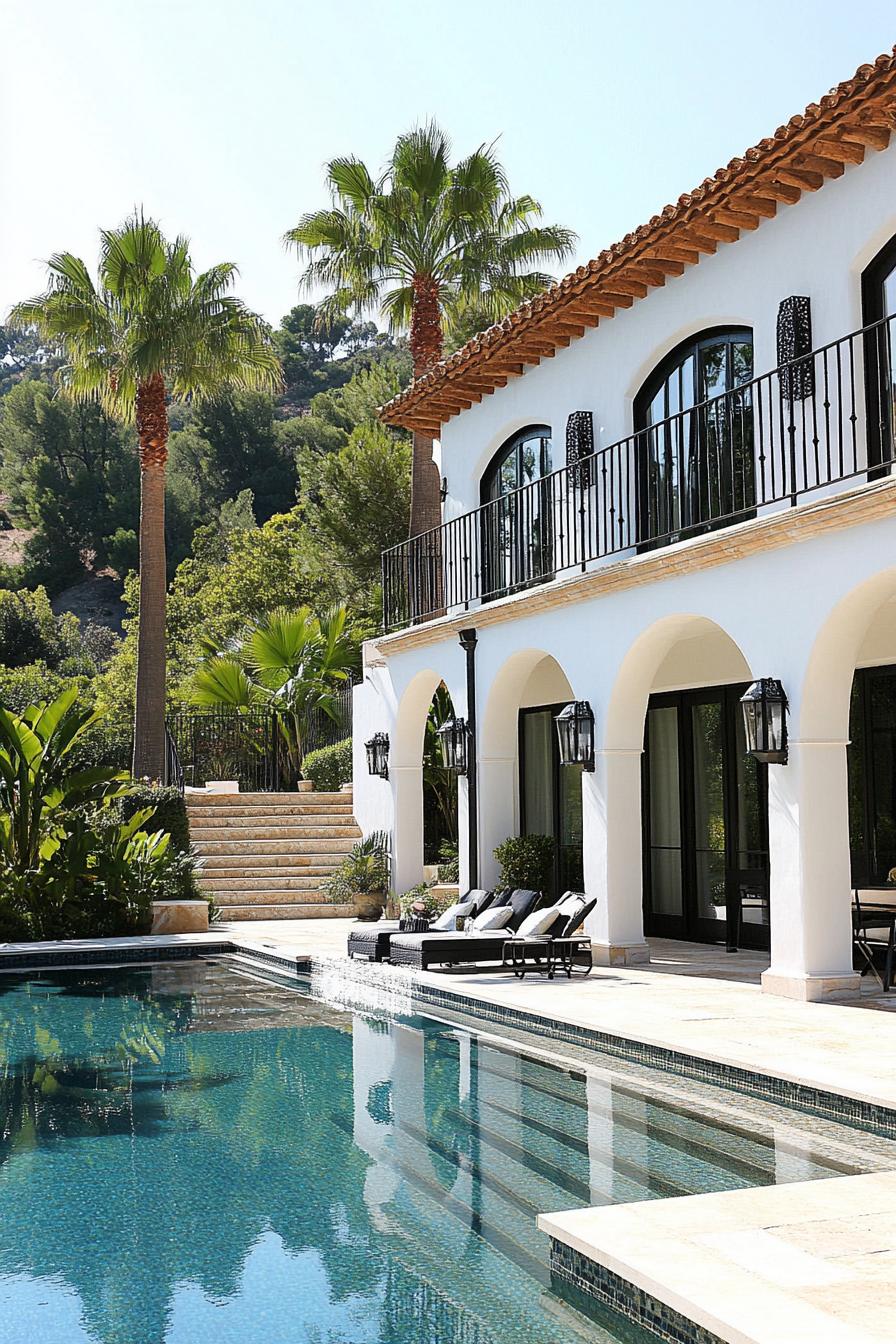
(705, 819)
(551, 794)
(871, 759)
(516, 522)
(878, 312)
(695, 446)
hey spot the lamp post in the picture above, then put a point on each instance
(378, 755)
(764, 706)
(575, 734)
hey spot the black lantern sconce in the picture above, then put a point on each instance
(765, 721)
(454, 739)
(575, 733)
(378, 755)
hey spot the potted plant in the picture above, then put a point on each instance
(527, 861)
(362, 878)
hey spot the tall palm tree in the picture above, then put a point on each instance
(149, 328)
(435, 248)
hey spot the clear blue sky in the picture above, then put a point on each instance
(218, 115)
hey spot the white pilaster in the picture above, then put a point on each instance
(611, 842)
(811, 923)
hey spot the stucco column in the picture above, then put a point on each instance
(497, 811)
(407, 839)
(811, 923)
(611, 844)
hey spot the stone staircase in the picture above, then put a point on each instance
(264, 855)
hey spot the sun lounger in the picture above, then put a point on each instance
(372, 941)
(483, 944)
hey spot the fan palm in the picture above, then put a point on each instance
(291, 661)
(434, 247)
(149, 327)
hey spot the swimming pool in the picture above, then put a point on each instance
(190, 1154)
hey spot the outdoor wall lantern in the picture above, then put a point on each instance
(765, 721)
(575, 733)
(378, 755)
(454, 740)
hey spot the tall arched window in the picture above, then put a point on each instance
(516, 514)
(695, 449)
(879, 314)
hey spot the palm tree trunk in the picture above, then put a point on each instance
(426, 351)
(149, 710)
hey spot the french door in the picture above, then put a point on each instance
(878, 310)
(705, 820)
(551, 795)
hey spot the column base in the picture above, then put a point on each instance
(811, 988)
(620, 954)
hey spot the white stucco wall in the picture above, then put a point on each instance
(817, 247)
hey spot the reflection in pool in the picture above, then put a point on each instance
(190, 1155)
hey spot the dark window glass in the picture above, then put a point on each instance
(516, 517)
(695, 451)
(871, 759)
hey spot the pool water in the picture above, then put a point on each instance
(189, 1154)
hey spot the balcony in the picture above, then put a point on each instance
(821, 422)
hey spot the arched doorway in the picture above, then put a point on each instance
(439, 789)
(695, 460)
(704, 802)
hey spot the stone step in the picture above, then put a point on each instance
(268, 882)
(297, 911)
(227, 863)
(287, 816)
(306, 845)
(312, 872)
(270, 897)
(199, 801)
(327, 831)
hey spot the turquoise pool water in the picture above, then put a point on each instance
(188, 1154)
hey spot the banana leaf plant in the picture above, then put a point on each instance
(293, 662)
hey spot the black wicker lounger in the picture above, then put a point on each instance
(372, 941)
(423, 950)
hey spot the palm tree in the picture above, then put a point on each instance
(289, 661)
(435, 247)
(149, 328)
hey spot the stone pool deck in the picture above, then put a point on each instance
(777, 1265)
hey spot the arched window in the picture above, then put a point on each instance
(695, 448)
(879, 314)
(516, 517)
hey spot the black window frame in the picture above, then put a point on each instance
(528, 567)
(878, 428)
(658, 378)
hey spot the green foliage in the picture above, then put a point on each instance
(29, 632)
(449, 865)
(360, 506)
(291, 661)
(365, 869)
(435, 902)
(527, 861)
(329, 768)
(167, 811)
(458, 227)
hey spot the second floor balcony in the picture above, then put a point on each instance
(816, 426)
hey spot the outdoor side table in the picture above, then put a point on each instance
(516, 951)
(564, 952)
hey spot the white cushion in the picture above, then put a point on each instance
(539, 922)
(447, 921)
(571, 905)
(498, 917)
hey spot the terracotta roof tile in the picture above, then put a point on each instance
(865, 105)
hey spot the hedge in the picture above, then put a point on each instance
(329, 768)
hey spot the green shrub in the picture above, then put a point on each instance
(329, 768)
(365, 869)
(169, 812)
(435, 901)
(29, 632)
(527, 861)
(449, 864)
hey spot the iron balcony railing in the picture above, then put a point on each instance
(821, 420)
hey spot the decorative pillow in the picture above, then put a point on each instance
(447, 922)
(539, 922)
(571, 903)
(498, 917)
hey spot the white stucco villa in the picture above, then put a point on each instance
(665, 479)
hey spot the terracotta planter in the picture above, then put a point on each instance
(368, 905)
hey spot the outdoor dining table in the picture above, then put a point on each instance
(874, 928)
